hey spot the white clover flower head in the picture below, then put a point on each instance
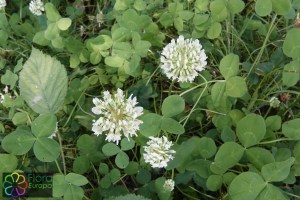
(1, 98)
(274, 102)
(158, 152)
(54, 133)
(6, 91)
(118, 116)
(169, 185)
(182, 59)
(36, 7)
(2, 4)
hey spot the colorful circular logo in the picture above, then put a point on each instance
(15, 185)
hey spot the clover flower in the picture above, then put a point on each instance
(6, 91)
(158, 152)
(2, 4)
(169, 185)
(182, 59)
(54, 133)
(36, 7)
(118, 116)
(274, 102)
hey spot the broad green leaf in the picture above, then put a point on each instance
(120, 5)
(9, 78)
(139, 5)
(236, 6)
(59, 185)
(127, 144)
(273, 122)
(74, 192)
(296, 151)
(44, 125)
(259, 157)
(236, 87)
(214, 30)
(43, 83)
(120, 34)
(246, 186)
(51, 32)
(58, 42)
(64, 23)
(114, 61)
(178, 24)
(227, 156)
(110, 149)
(206, 147)
(151, 125)
(271, 192)
(291, 73)
(46, 149)
(18, 142)
(76, 179)
(103, 168)
(251, 130)
(141, 48)
(20, 118)
(229, 65)
(51, 12)
(214, 182)
(218, 10)
(217, 93)
(114, 175)
(201, 5)
(291, 129)
(99, 43)
(200, 166)
(291, 44)
(132, 168)
(173, 105)
(281, 7)
(185, 15)
(122, 160)
(166, 19)
(263, 7)
(86, 144)
(40, 39)
(95, 57)
(8, 163)
(81, 165)
(277, 171)
(171, 126)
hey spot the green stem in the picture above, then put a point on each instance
(58, 167)
(274, 141)
(62, 153)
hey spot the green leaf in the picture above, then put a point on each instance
(263, 7)
(74, 192)
(132, 168)
(173, 105)
(122, 160)
(291, 44)
(186, 15)
(171, 126)
(139, 5)
(9, 78)
(44, 125)
(8, 163)
(110, 149)
(218, 10)
(46, 149)
(259, 157)
(141, 48)
(246, 186)
(201, 5)
(296, 151)
(151, 125)
(291, 75)
(214, 182)
(207, 147)
(64, 23)
(273, 122)
(40, 39)
(236, 87)
(281, 7)
(127, 144)
(81, 165)
(217, 93)
(114, 61)
(76, 179)
(99, 43)
(236, 6)
(251, 130)
(227, 156)
(18, 142)
(86, 144)
(271, 192)
(214, 30)
(277, 171)
(103, 168)
(120, 5)
(95, 57)
(59, 185)
(166, 19)
(51, 12)
(20, 118)
(291, 129)
(43, 83)
(178, 24)
(51, 32)
(229, 65)
(200, 166)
